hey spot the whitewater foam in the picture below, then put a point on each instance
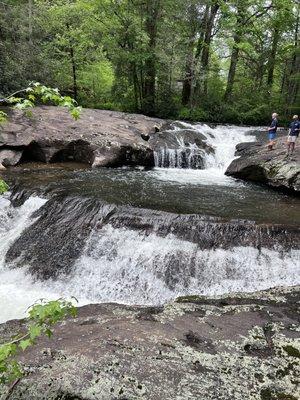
(132, 267)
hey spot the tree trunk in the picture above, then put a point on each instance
(188, 81)
(206, 48)
(74, 73)
(293, 92)
(152, 12)
(272, 58)
(232, 68)
(30, 30)
(237, 38)
(189, 74)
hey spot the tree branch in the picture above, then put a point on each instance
(5, 99)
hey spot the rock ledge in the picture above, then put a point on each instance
(99, 138)
(228, 348)
(274, 168)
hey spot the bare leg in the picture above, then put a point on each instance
(270, 145)
(293, 147)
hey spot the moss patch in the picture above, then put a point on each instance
(189, 299)
(268, 394)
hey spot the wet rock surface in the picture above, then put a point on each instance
(55, 240)
(227, 348)
(274, 168)
(99, 138)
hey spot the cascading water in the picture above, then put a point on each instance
(106, 253)
(187, 155)
(217, 154)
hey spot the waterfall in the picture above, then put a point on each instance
(185, 156)
(222, 140)
(75, 244)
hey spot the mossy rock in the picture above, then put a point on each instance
(3, 187)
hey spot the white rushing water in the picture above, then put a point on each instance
(223, 139)
(135, 267)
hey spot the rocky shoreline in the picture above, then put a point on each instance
(226, 348)
(272, 168)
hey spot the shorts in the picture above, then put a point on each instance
(292, 139)
(272, 135)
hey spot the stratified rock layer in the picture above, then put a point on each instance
(99, 138)
(273, 168)
(230, 348)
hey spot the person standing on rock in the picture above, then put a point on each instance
(272, 131)
(293, 134)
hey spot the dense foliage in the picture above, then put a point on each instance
(214, 60)
(41, 317)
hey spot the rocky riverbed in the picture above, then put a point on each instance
(242, 346)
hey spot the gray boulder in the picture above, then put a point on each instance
(273, 168)
(9, 158)
(98, 138)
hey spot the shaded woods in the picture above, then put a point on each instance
(221, 61)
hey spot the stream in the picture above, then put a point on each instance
(140, 236)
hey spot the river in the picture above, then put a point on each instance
(145, 236)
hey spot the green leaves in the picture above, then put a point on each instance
(42, 316)
(3, 187)
(37, 91)
(3, 117)
(25, 343)
(75, 112)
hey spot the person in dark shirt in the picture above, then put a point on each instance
(293, 134)
(272, 131)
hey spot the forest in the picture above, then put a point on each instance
(232, 61)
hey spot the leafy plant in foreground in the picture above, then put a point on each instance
(38, 92)
(3, 187)
(41, 318)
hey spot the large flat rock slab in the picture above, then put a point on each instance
(229, 348)
(273, 168)
(99, 137)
